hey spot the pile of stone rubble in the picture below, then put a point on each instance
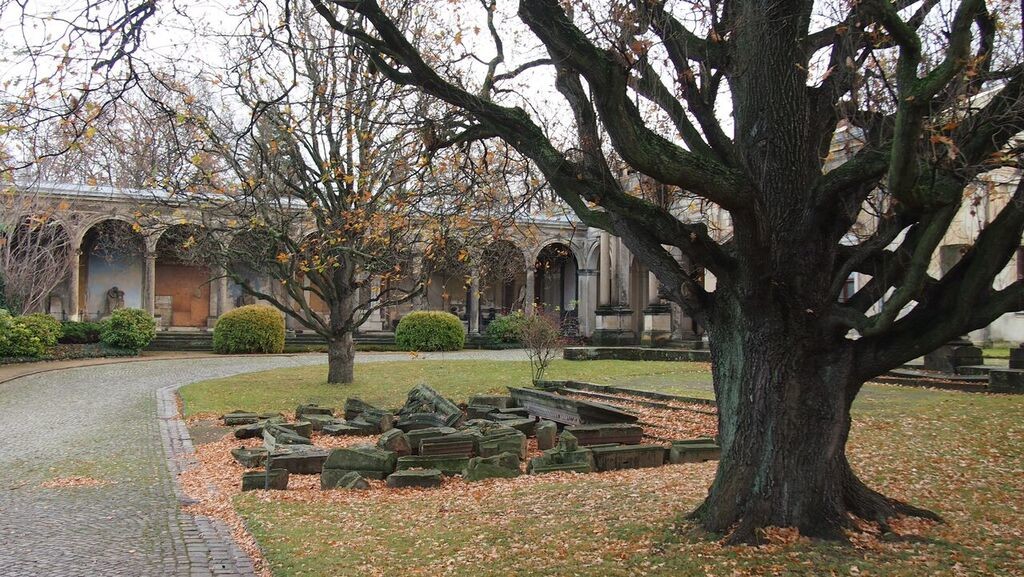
(431, 437)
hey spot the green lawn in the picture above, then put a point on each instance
(386, 383)
(959, 454)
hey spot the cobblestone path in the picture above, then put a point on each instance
(102, 423)
(116, 424)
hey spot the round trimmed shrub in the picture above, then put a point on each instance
(249, 329)
(129, 329)
(506, 329)
(80, 333)
(430, 331)
(44, 326)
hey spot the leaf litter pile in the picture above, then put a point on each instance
(631, 522)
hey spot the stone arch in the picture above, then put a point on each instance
(502, 279)
(37, 255)
(112, 267)
(556, 278)
(182, 291)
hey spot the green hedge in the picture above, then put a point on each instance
(80, 333)
(430, 331)
(506, 329)
(249, 329)
(131, 329)
(44, 326)
(18, 340)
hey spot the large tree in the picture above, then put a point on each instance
(932, 92)
(646, 82)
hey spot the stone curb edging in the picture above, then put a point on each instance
(119, 360)
(208, 540)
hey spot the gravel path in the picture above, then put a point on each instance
(117, 424)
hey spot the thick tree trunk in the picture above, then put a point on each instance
(784, 401)
(341, 356)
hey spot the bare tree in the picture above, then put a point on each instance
(34, 250)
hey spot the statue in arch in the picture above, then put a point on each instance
(115, 299)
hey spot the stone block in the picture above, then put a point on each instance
(417, 421)
(447, 465)
(320, 421)
(349, 480)
(628, 457)
(235, 418)
(421, 478)
(312, 409)
(493, 401)
(276, 479)
(381, 420)
(417, 436)
(300, 460)
(1017, 357)
(250, 458)
(1006, 381)
(495, 445)
(459, 444)
(330, 478)
(694, 451)
(505, 465)
(525, 426)
(249, 431)
(395, 441)
(547, 435)
(560, 467)
(355, 406)
(343, 429)
(622, 433)
(301, 428)
(361, 458)
(474, 412)
(278, 434)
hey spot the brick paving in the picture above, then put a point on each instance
(117, 424)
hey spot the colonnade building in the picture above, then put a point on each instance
(566, 267)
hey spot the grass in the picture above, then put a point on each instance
(959, 454)
(386, 384)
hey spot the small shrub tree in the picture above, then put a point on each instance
(129, 329)
(17, 339)
(44, 326)
(430, 331)
(249, 329)
(542, 338)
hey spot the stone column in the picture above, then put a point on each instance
(149, 284)
(376, 320)
(652, 289)
(74, 281)
(605, 290)
(657, 317)
(586, 305)
(223, 305)
(615, 291)
(473, 306)
(530, 296)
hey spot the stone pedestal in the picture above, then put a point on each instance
(657, 326)
(1017, 358)
(948, 357)
(1006, 381)
(614, 327)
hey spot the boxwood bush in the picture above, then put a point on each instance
(249, 329)
(506, 329)
(430, 331)
(44, 326)
(130, 329)
(80, 333)
(17, 340)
